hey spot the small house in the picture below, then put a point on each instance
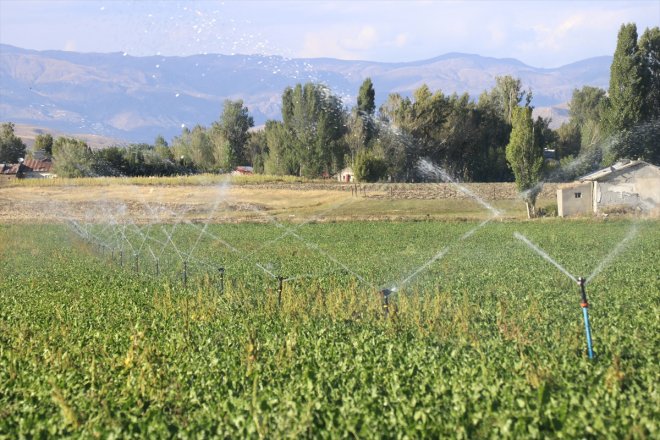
(9, 171)
(243, 171)
(27, 169)
(37, 169)
(346, 175)
(627, 185)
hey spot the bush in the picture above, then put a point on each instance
(369, 168)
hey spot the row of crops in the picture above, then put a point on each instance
(100, 336)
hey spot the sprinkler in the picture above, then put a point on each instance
(585, 312)
(121, 258)
(280, 281)
(222, 279)
(185, 273)
(157, 268)
(137, 263)
(386, 301)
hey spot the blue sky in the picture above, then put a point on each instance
(539, 33)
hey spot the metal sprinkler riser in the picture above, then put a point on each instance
(584, 303)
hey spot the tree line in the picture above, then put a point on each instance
(491, 138)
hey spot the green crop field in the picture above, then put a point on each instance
(101, 337)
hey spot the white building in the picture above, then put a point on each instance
(626, 185)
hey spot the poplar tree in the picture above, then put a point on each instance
(524, 156)
(626, 92)
(649, 47)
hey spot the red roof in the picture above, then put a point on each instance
(28, 165)
(43, 166)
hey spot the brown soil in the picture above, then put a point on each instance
(255, 202)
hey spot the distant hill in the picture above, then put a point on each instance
(136, 98)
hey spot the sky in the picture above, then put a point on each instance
(538, 33)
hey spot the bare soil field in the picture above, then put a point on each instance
(294, 202)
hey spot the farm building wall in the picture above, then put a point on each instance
(638, 188)
(575, 200)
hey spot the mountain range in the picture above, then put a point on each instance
(136, 98)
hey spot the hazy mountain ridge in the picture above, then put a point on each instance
(136, 98)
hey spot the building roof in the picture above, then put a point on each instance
(28, 165)
(621, 165)
(9, 168)
(43, 166)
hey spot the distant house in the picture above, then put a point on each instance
(38, 169)
(243, 171)
(346, 175)
(9, 171)
(27, 169)
(628, 184)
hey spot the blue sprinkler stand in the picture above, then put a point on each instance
(585, 312)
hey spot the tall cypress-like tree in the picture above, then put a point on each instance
(366, 100)
(649, 47)
(626, 93)
(524, 156)
(366, 106)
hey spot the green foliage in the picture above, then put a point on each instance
(282, 157)
(366, 100)
(369, 168)
(524, 156)
(44, 142)
(72, 158)
(638, 142)
(232, 131)
(256, 150)
(310, 137)
(506, 96)
(626, 92)
(586, 105)
(465, 138)
(11, 146)
(478, 349)
(366, 106)
(649, 48)
(568, 140)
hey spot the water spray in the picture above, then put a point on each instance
(585, 312)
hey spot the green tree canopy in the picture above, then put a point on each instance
(72, 158)
(649, 47)
(524, 156)
(44, 142)
(11, 146)
(586, 105)
(231, 134)
(314, 121)
(626, 92)
(369, 168)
